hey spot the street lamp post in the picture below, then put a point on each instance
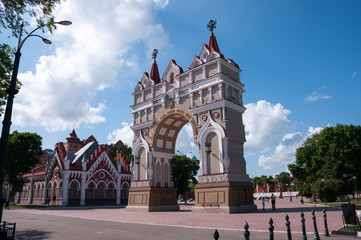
(348, 197)
(354, 179)
(9, 105)
(324, 190)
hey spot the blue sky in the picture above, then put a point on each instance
(301, 63)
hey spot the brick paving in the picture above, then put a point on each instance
(258, 221)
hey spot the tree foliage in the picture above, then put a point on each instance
(24, 150)
(328, 189)
(184, 169)
(330, 154)
(283, 179)
(13, 15)
(125, 149)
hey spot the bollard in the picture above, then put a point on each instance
(325, 221)
(304, 236)
(271, 228)
(246, 232)
(216, 235)
(288, 225)
(316, 236)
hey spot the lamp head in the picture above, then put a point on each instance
(47, 41)
(64, 22)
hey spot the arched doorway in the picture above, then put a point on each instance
(209, 97)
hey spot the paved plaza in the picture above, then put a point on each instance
(118, 222)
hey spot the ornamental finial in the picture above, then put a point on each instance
(154, 54)
(211, 25)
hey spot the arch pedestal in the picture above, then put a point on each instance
(152, 199)
(226, 197)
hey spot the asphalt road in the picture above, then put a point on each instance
(32, 226)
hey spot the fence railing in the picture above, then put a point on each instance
(247, 233)
(9, 228)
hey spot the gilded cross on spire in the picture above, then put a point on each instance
(154, 54)
(211, 25)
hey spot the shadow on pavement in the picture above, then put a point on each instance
(32, 234)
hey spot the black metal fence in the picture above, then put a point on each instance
(247, 233)
(9, 228)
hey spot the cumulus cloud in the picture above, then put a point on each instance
(94, 52)
(125, 134)
(185, 142)
(317, 95)
(264, 122)
(284, 152)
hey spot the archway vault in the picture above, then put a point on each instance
(167, 127)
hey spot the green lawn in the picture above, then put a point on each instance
(27, 206)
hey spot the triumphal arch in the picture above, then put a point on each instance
(209, 97)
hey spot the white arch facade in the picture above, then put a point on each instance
(209, 97)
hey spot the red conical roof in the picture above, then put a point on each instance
(154, 73)
(213, 45)
(73, 134)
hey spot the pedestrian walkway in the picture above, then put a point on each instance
(258, 221)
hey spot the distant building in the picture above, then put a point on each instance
(78, 173)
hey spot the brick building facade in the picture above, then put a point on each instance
(78, 173)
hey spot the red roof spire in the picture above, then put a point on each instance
(213, 45)
(73, 134)
(154, 73)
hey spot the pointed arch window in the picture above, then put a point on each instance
(101, 191)
(73, 190)
(110, 191)
(91, 191)
(171, 78)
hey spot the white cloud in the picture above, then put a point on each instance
(185, 142)
(285, 151)
(316, 95)
(264, 122)
(93, 53)
(125, 134)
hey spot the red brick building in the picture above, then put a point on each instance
(78, 173)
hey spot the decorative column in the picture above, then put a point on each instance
(219, 65)
(82, 191)
(45, 190)
(191, 77)
(150, 167)
(226, 161)
(192, 99)
(200, 96)
(226, 90)
(210, 94)
(221, 90)
(224, 113)
(118, 189)
(66, 188)
(31, 191)
(204, 72)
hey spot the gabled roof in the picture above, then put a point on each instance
(85, 152)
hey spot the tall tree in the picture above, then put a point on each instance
(330, 154)
(24, 150)
(184, 169)
(283, 179)
(14, 14)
